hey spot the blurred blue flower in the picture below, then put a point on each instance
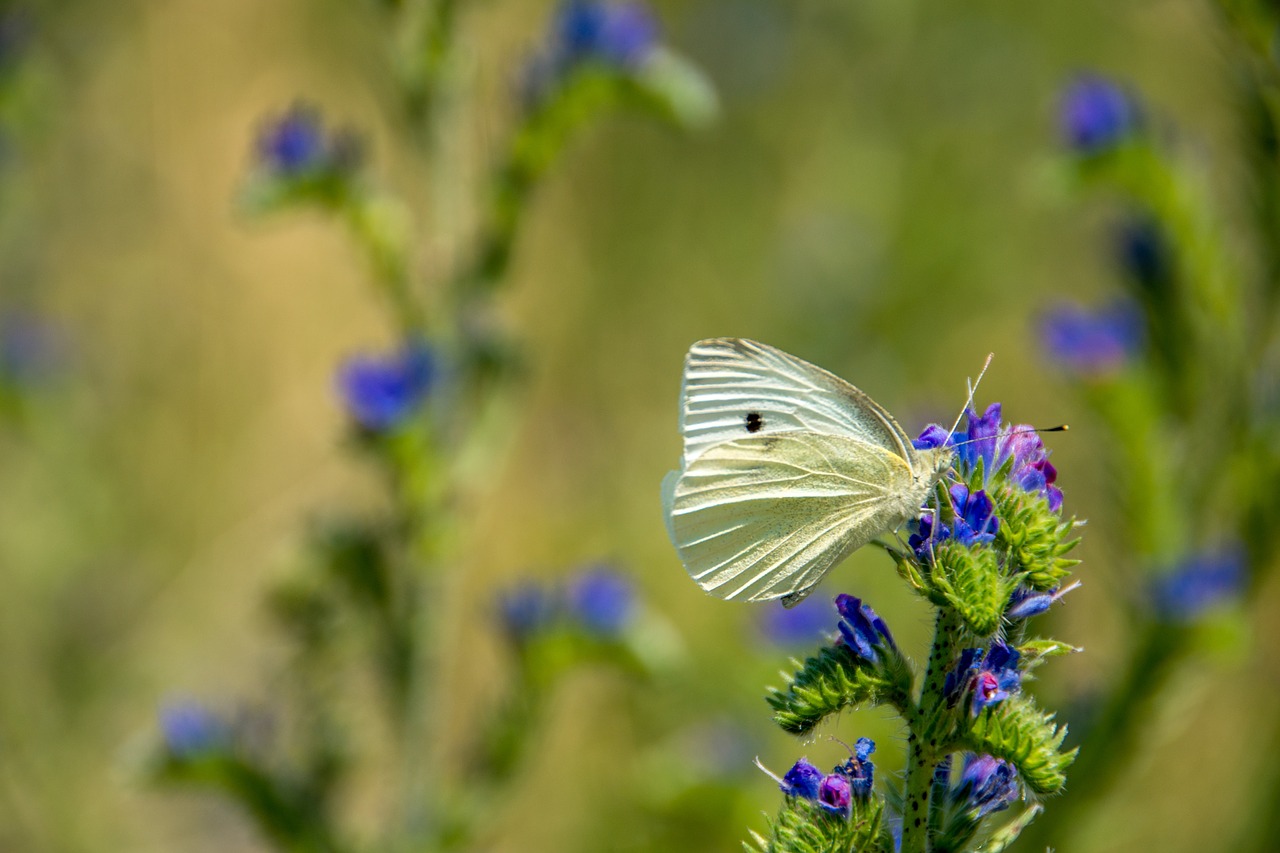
(190, 729)
(527, 609)
(1096, 114)
(986, 785)
(383, 391)
(602, 600)
(297, 144)
(809, 620)
(802, 780)
(1200, 583)
(621, 34)
(858, 769)
(861, 629)
(990, 675)
(32, 351)
(1093, 343)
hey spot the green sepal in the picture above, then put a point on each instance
(804, 827)
(837, 679)
(1020, 733)
(1007, 834)
(1034, 538)
(1035, 652)
(973, 584)
(917, 576)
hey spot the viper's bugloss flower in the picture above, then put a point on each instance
(974, 523)
(835, 795)
(1200, 583)
(1093, 342)
(789, 626)
(382, 391)
(1025, 603)
(602, 600)
(987, 785)
(990, 675)
(620, 36)
(190, 729)
(985, 438)
(1096, 114)
(527, 609)
(802, 780)
(858, 768)
(297, 144)
(861, 629)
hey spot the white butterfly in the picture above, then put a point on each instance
(787, 470)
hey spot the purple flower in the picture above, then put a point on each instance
(974, 523)
(190, 729)
(602, 600)
(790, 626)
(1198, 584)
(527, 609)
(835, 795)
(1093, 343)
(987, 785)
(1025, 603)
(858, 769)
(990, 675)
(382, 391)
(861, 629)
(297, 144)
(802, 780)
(1096, 114)
(621, 34)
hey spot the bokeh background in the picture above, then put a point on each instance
(881, 195)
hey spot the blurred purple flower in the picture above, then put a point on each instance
(297, 144)
(987, 785)
(809, 620)
(190, 729)
(1142, 250)
(1093, 343)
(526, 609)
(1200, 583)
(602, 600)
(383, 391)
(32, 351)
(1096, 114)
(621, 34)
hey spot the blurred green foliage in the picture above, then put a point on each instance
(879, 196)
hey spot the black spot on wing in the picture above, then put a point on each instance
(755, 422)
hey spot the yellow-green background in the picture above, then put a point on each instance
(880, 195)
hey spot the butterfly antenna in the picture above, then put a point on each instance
(973, 389)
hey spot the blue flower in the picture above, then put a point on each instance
(790, 626)
(190, 729)
(974, 523)
(861, 629)
(1096, 115)
(802, 780)
(1093, 343)
(835, 795)
(1200, 583)
(382, 392)
(858, 769)
(297, 144)
(621, 34)
(990, 675)
(987, 785)
(1025, 603)
(527, 609)
(602, 600)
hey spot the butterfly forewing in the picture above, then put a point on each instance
(735, 388)
(767, 516)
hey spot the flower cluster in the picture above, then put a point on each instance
(988, 675)
(618, 37)
(833, 792)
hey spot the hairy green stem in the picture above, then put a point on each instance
(922, 740)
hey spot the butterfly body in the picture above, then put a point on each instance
(787, 470)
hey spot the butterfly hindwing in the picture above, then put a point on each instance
(764, 517)
(735, 388)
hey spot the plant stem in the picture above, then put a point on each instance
(922, 741)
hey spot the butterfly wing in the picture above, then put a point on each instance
(735, 388)
(765, 517)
